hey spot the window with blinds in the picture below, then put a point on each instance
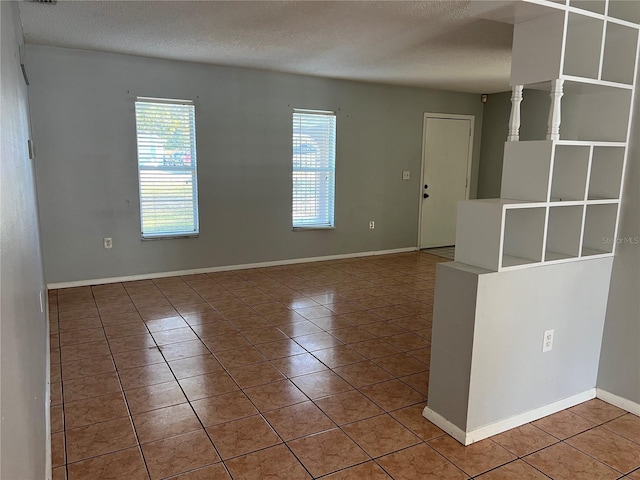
(314, 164)
(167, 172)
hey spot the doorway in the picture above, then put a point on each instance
(447, 142)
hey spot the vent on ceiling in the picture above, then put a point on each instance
(50, 2)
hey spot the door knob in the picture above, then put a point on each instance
(425, 195)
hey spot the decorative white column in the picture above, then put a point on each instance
(553, 125)
(514, 118)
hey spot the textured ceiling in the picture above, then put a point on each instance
(420, 43)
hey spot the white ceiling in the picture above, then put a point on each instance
(420, 43)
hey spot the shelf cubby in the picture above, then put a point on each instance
(525, 170)
(605, 179)
(569, 177)
(563, 232)
(628, 11)
(619, 53)
(523, 236)
(584, 105)
(595, 6)
(582, 51)
(599, 229)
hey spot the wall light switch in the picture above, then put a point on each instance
(406, 175)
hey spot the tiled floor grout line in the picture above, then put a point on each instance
(283, 292)
(124, 396)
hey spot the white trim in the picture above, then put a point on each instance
(225, 268)
(450, 116)
(467, 438)
(445, 425)
(620, 402)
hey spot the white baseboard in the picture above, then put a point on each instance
(445, 425)
(467, 438)
(620, 402)
(225, 268)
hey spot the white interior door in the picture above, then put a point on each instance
(446, 168)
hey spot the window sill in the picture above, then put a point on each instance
(300, 229)
(170, 237)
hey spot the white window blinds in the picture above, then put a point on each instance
(167, 172)
(314, 162)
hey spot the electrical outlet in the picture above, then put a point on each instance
(406, 175)
(372, 225)
(108, 242)
(547, 341)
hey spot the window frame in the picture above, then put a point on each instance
(193, 170)
(331, 225)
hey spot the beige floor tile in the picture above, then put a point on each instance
(212, 472)
(524, 440)
(368, 470)
(380, 435)
(517, 470)
(223, 408)
(348, 407)
(255, 374)
(207, 385)
(474, 459)
(58, 455)
(609, 448)
(420, 462)
(148, 398)
(242, 436)
(144, 376)
(563, 424)
(298, 420)
(165, 422)
(87, 387)
(363, 373)
(563, 462)
(411, 417)
(627, 426)
(401, 364)
(297, 365)
(392, 395)
(95, 410)
(338, 356)
(99, 439)
(193, 366)
(597, 411)
(274, 463)
(321, 384)
(274, 395)
(280, 349)
(113, 466)
(180, 454)
(178, 351)
(327, 452)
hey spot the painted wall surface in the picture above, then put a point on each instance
(23, 328)
(510, 375)
(495, 127)
(83, 124)
(487, 363)
(620, 359)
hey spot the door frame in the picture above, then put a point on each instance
(446, 116)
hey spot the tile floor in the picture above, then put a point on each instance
(297, 372)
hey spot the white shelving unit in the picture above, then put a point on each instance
(539, 258)
(560, 194)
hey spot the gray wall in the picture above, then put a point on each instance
(23, 328)
(620, 358)
(495, 127)
(83, 123)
